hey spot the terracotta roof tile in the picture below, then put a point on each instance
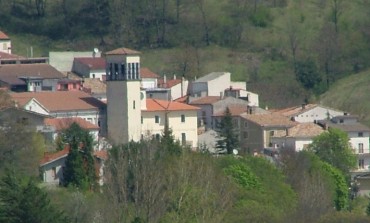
(169, 83)
(96, 63)
(10, 73)
(102, 154)
(122, 51)
(303, 130)
(205, 100)
(49, 157)
(61, 100)
(4, 55)
(269, 120)
(146, 73)
(64, 123)
(161, 105)
(3, 36)
(293, 111)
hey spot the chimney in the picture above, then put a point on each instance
(174, 76)
(221, 94)
(303, 106)
(164, 79)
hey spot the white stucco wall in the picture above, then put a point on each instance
(218, 85)
(34, 106)
(317, 113)
(179, 90)
(6, 46)
(149, 83)
(355, 140)
(47, 171)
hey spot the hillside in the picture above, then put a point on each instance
(289, 51)
(351, 94)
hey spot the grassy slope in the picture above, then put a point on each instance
(351, 94)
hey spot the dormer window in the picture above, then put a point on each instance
(360, 134)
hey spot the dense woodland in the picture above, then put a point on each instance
(289, 51)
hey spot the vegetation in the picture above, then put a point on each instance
(227, 137)
(80, 169)
(333, 147)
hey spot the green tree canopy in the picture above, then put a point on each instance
(228, 138)
(333, 147)
(22, 201)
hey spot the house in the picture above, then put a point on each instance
(149, 79)
(181, 118)
(64, 104)
(89, 67)
(358, 138)
(69, 85)
(298, 137)
(177, 87)
(59, 124)
(52, 166)
(309, 113)
(220, 84)
(29, 77)
(127, 103)
(5, 43)
(257, 130)
(63, 61)
(28, 119)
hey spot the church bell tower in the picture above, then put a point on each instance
(123, 95)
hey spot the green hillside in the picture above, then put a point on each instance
(351, 94)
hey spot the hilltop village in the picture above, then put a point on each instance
(117, 100)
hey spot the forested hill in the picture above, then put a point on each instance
(287, 50)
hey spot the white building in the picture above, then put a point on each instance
(127, 104)
(5, 43)
(310, 113)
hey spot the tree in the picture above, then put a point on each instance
(22, 201)
(80, 166)
(307, 74)
(333, 147)
(228, 138)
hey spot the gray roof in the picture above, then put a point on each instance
(210, 76)
(347, 127)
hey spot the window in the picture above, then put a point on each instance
(74, 85)
(183, 138)
(341, 121)
(360, 134)
(360, 148)
(361, 164)
(93, 75)
(204, 114)
(134, 105)
(157, 136)
(156, 119)
(54, 173)
(182, 118)
(245, 124)
(142, 120)
(271, 133)
(245, 134)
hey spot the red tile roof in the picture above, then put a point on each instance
(64, 123)
(60, 100)
(269, 120)
(122, 51)
(96, 63)
(3, 36)
(169, 83)
(161, 105)
(102, 154)
(293, 111)
(4, 55)
(146, 73)
(205, 100)
(49, 157)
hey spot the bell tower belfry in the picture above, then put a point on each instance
(123, 95)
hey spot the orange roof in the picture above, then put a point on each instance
(169, 83)
(64, 123)
(92, 62)
(146, 73)
(102, 154)
(305, 130)
(269, 120)
(234, 110)
(183, 99)
(122, 51)
(161, 105)
(3, 36)
(60, 100)
(49, 157)
(293, 111)
(205, 100)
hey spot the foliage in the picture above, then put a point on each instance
(80, 166)
(168, 142)
(228, 139)
(243, 176)
(22, 201)
(333, 147)
(307, 74)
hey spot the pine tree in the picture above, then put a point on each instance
(22, 201)
(228, 138)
